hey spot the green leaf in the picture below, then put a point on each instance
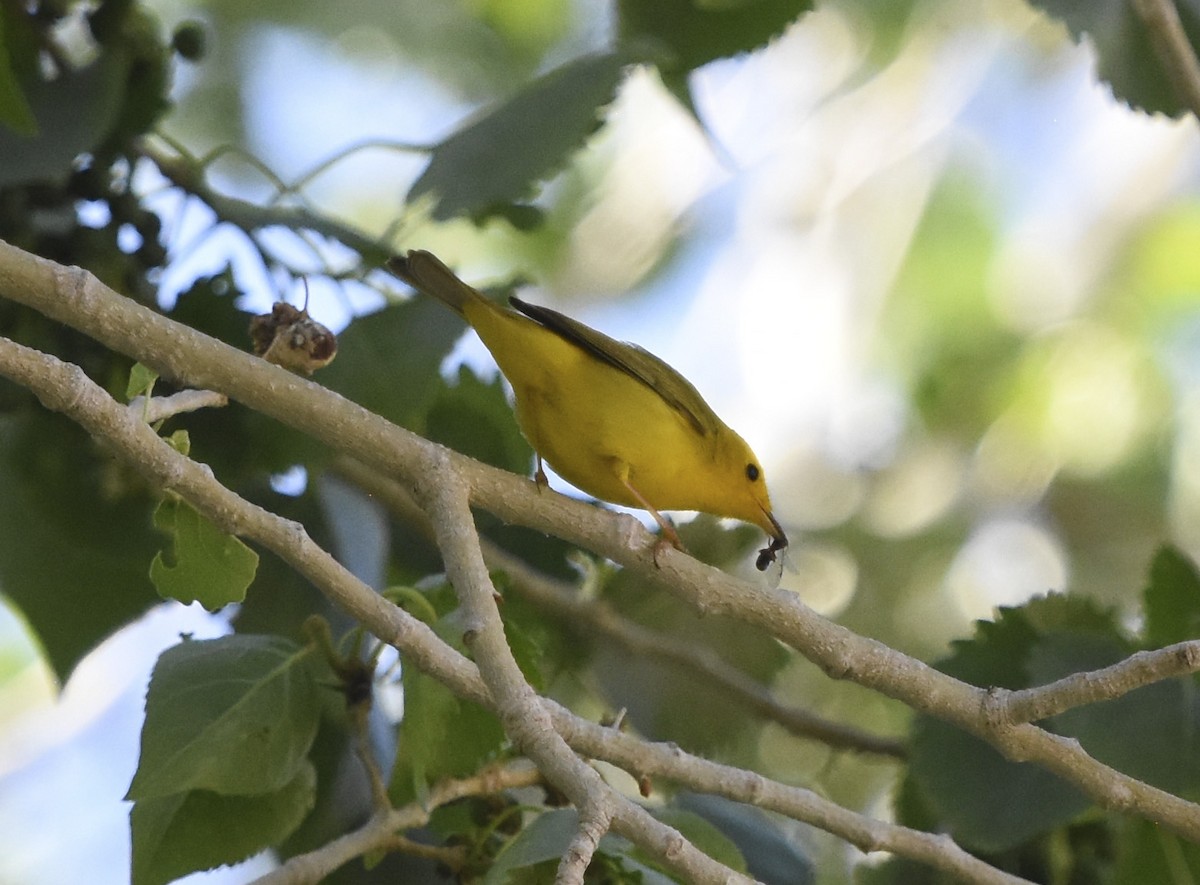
(704, 835)
(72, 554)
(498, 157)
(686, 34)
(440, 736)
(15, 112)
(180, 834)
(235, 716)
(662, 698)
(546, 838)
(205, 565)
(475, 418)
(141, 381)
(149, 82)
(526, 652)
(985, 801)
(1172, 599)
(180, 441)
(74, 113)
(389, 361)
(943, 333)
(1148, 853)
(1152, 733)
(751, 840)
(1126, 56)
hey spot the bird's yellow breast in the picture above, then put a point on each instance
(593, 423)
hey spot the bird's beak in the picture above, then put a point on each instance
(774, 529)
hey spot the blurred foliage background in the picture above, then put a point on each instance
(939, 273)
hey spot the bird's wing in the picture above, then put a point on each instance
(639, 364)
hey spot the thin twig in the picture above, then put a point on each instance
(188, 175)
(1078, 689)
(455, 857)
(380, 832)
(162, 407)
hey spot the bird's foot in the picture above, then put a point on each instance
(668, 538)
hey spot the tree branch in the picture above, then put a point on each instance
(380, 831)
(63, 387)
(443, 492)
(158, 408)
(596, 618)
(77, 299)
(578, 855)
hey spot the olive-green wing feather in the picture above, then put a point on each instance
(640, 364)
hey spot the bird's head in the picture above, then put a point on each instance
(741, 492)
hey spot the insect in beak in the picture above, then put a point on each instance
(779, 540)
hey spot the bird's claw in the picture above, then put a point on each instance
(668, 538)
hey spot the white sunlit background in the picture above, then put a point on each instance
(802, 259)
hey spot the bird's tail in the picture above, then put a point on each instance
(426, 273)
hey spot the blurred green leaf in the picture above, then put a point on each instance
(74, 113)
(235, 716)
(389, 361)
(1171, 599)
(148, 84)
(942, 333)
(758, 843)
(545, 838)
(662, 699)
(204, 564)
(141, 381)
(15, 112)
(985, 801)
(198, 830)
(685, 34)
(475, 418)
(1162, 265)
(282, 599)
(1126, 56)
(526, 652)
(704, 835)
(497, 158)
(440, 735)
(73, 554)
(1146, 852)
(1152, 733)
(1063, 613)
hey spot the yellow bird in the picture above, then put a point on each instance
(611, 418)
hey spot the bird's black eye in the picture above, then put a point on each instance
(752, 472)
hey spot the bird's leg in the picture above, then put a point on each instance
(669, 535)
(539, 475)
